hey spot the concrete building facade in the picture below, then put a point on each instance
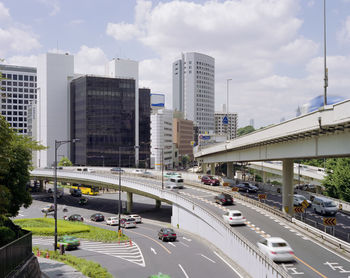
(230, 129)
(183, 135)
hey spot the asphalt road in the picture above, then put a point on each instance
(146, 255)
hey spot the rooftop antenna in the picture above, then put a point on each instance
(325, 55)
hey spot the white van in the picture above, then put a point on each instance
(178, 181)
(324, 206)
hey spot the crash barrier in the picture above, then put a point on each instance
(211, 227)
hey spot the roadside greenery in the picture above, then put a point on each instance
(65, 162)
(88, 268)
(245, 130)
(45, 227)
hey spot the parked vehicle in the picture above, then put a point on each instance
(97, 217)
(70, 242)
(298, 199)
(138, 218)
(112, 220)
(167, 234)
(210, 180)
(48, 208)
(224, 199)
(277, 249)
(75, 192)
(324, 206)
(128, 222)
(117, 170)
(234, 217)
(247, 187)
(75, 217)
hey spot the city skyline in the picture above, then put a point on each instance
(272, 50)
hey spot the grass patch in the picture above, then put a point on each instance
(88, 268)
(46, 227)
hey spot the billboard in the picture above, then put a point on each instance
(157, 100)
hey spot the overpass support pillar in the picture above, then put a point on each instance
(229, 170)
(212, 168)
(204, 168)
(128, 202)
(287, 189)
(158, 202)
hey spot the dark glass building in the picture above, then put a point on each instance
(103, 118)
(145, 127)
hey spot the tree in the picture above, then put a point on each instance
(245, 130)
(184, 160)
(337, 181)
(65, 162)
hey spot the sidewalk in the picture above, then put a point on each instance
(53, 269)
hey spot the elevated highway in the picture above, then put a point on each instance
(323, 133)
(193, 209)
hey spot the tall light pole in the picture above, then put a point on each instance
(162, 165)
(57, 145)
(227, 105)
(325, 55)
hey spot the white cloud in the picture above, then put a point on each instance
(76, 21)
(90, 60)
(27, 61)
(343, 35)
(53, 4)
(4, 12)
(122, 31)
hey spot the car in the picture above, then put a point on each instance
(128, 222)
(172, 174)
(171, 185)
(75, 217)
(117, 170)
(224, 199)
(324, 206)
(175, 182)
(210, 180)
(113, 220)
(234, 217)
(167, 234)
(48, 208)
(138, 171)
(298, 199)
(277, 249)
(97, 217)
(247, 187)
(138, 218)
(75, 192)
(70, 242)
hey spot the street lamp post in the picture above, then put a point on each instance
(227, 104)
(325, 55)
(57, 145)
(162, 165)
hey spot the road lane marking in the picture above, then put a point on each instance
(208, 258)
(184, 244)
(154, 251)
(166, 249)
(230, 266)
(309, 266)
(171, 244)
(188, 239)
(183, 271)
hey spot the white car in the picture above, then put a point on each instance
(137, 218)
(172, 185)
(128, 222)
(138, 171)
(277, 249)
(298, 199)
(112, 220)
(234, 217)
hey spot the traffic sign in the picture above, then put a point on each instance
(262, 196)
(235, 189)
(226, 184)
(299, 209)
(329, 221)
(225, 120)
(305, 204)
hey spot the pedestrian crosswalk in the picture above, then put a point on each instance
(128, 251)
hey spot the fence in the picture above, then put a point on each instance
(15, 253)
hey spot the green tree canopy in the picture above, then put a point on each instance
(245, 130)
(65, 162)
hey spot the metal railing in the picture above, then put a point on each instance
(15, 253)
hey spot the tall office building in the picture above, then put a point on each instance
(145, 126)
(183, 135)
(194, 89)
(18, 90)
(54, 74)
(230, 129)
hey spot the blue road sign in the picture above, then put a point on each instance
(225, 120)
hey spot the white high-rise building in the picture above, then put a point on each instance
(17, 91)
(194, 89)
(120, 68)
(53, 113)
(162, 138)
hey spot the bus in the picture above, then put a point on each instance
(87, 189)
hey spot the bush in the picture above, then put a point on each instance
(6, 235)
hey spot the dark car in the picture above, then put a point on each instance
(70, 242)
(247, 187)
(75, 192)
(210, 180)
(167, 234)
(117, 170)
(224, 199)
(97, 217)
(76, 217)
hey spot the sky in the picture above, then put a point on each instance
(272, 50)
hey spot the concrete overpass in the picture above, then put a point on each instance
(320, 134)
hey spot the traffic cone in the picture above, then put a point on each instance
(38, 254)
(47, 255)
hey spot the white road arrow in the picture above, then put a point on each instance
(188, 239)
(154, 251)
(171, 244)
